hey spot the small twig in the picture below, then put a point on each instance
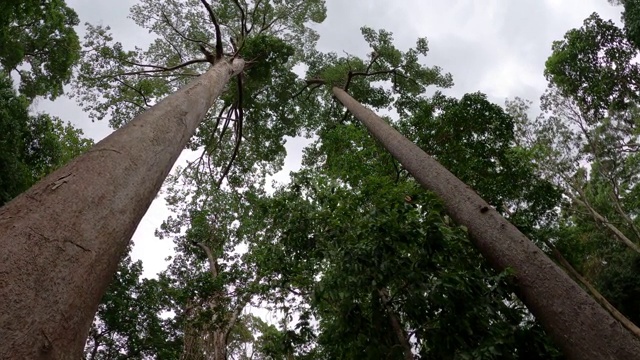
(318, 82)
(146, 102)
(161, 68)
(182, 35)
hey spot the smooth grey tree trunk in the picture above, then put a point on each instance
(61, 241)
(577, 323)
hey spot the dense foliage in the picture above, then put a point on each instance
(31, 146)
(38, 42)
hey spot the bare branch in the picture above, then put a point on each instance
(216, 26)
(157, 68)
(238, 128)
(318, 82)
(144, 98)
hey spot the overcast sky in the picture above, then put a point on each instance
(494, 46)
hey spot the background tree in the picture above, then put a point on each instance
(39, 44)
(586, 144)
(31, 146)
(133, 319)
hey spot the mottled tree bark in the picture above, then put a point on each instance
(62, 240)
(577, 323)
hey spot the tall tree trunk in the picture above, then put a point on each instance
(578, 324)
(62, 239)
(594, 292)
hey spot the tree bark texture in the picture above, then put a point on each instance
(577, 323)
(62, 239)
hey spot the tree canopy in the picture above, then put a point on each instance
(38, 42)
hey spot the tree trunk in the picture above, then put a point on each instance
(594, 292)
(401, 335)
(62, 240)
(577, 323)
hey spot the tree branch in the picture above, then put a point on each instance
(243, 20)
(253, 15)
(216, 26)
(309, 82)
(212, 260)
(374, 58)
(159, 68)
(238, 126)
(601, 219)
(144, 98)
